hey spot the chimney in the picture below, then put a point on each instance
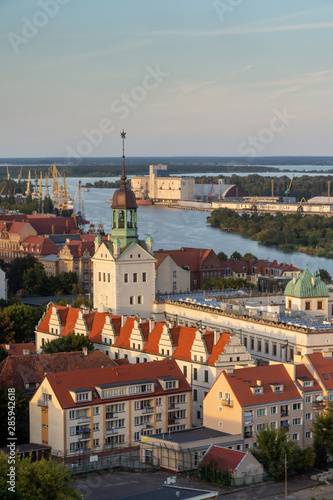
(217, 336)
(67, 241)
(151, 322)
(53, 229)
(123, 320)
(85, 351)
(109, 237)
(116, 248)
(66, 225)
(259, 382)
(313, 280)
(294, 279)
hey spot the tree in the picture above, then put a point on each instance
(325, 276)
(7, 331)
(323, 429)
(69, 343)
(82, 301)
(222, 256)
(3, 353)
(36, 280)
(38, 480)
(15, 271)
(21, 417)
(235, 255)
(271, 448)
(25, 319)
(249, 256)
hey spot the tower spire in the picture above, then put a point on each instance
(123, 177)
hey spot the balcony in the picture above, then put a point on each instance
(173, 405)
(42, 402)
(284, 413)
(319, 405)
(248, 417)
(171, 421)
(110, 414)
(83, 420)
(147, 410)
(83, 436)
(146, 426)
(112, 430)
(227, 402)
(248, 434)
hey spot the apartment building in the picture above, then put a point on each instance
(245, 400)
(110, 407)
(320, 365)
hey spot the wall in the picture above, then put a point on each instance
(165, 277)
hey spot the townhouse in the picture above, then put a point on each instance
(200, 354)
(245, 400)
(109, 407)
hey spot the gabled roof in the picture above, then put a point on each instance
(302, 372)
(38, 245)
(324, 368)
(68, 317)
(228, 460)
(45, 224)
(191, 257)
(241, 381)
(17, 349)
(89, 379)
(125, 333)
(77, 248)
(16, 371)
(218, 348)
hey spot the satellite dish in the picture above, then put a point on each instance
(319, 398)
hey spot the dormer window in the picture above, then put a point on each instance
(82, 396)
(256, 390)
(277, 387)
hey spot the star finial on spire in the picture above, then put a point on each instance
(123, 177)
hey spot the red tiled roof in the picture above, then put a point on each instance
(242, 379)
(45, 224)
(17, 349)
(153, 339)
(218, 348)
(324, 368)
(160, 257)
(39, 245)
(302, 371)
(125, 333)
(16, 371)
(68, 317)
(62, 384)
(224, 458)
(186, 335)
(77, 248)
(191, 257)
(16, 227)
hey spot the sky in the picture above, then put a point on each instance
(241, 78)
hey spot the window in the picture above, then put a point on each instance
(185, 371)
(220, 409)
(174, 285)
(125, 278)
(172, 384)
(82, 396)
(158, 401)
(273, 410)
(158, 417)
(96, 442)
(220, 395)
(137, 360)
(297, 421)
(96, 426)
(72, 431)
(137, 436)
(308, 306)
(273, 425)
(135, 277)
(297, 406)
(259, 345)
(206, 376)
(308, 435)
(195, 373)
(320, 305)
(308, 416)
(195, 395)
(266, 347)
(99, 276)
(261, 412)
(131, 300)
(308, 399)
(174, 274)
(139, 299)
(260, 427)
(144, 277)
(289, 304)
(198, 415)
(245, 341)
(96, 410)
(274, 350)
(295, 436)
(108, 277)
(252, 343)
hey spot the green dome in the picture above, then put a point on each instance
(303, 288)
(98, 239)
(149, 240)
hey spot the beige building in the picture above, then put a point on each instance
(169, 276)
(278, 395)
(159, 186)
(109, 407)
(183, 450)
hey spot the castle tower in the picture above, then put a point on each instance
(124, 266)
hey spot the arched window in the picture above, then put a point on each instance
(129, 219)
(114, 219)
(121, 219)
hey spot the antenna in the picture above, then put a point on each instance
(123, 176)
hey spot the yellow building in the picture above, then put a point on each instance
(107, 408)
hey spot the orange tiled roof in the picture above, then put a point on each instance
(89, 379)
(191, 257)
(39, 245)
(302, 371)
(324, 368)
(153, 339)
(218, 348)
(242, 379)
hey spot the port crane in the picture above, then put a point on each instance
(210, 193)
(288, 190)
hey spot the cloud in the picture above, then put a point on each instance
(249, 66)
(242, 30)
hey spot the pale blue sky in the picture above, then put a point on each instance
(228, 74)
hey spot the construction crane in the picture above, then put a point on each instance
(60, 191)
(272, 188)
(19, 175)
(79, 205)
(210, 193)
(2, 190)
(300, 206)
(255, 202)
(8, 174)
(27, 192)
(47, 184)
(288, 190)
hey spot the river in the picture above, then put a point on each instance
(173, 228)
